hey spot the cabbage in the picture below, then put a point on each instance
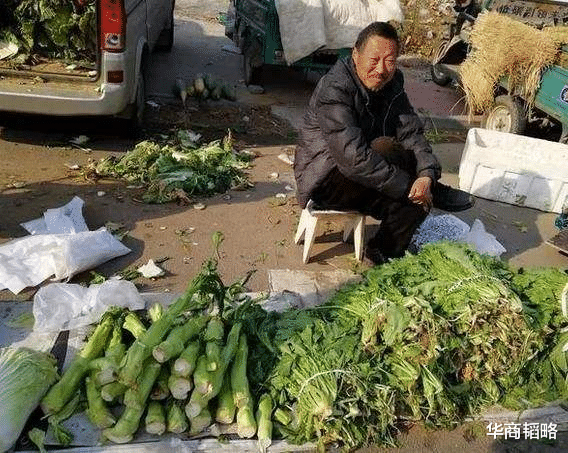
(25, 376)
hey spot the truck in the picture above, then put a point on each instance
(80, 57)
(509, 112)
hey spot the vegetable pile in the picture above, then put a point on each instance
(25, 377)
(180, 168)
(434, 337)
(50, 28)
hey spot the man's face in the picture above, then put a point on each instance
(376, 62)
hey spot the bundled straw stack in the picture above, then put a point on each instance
(503, 46)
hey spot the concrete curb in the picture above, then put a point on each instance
(451, 122)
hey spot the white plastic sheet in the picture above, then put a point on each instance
(308, 25)
(64, 306)
(60, 245)
(66, 219)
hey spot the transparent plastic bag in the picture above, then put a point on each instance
(64, 306)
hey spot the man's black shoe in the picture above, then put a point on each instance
(373, 257)
(449, 199)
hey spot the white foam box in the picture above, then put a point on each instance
(515, 169)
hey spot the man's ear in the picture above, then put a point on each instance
(354, 54)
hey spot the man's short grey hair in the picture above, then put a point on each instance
(382, 29)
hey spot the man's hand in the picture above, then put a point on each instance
(420, 192)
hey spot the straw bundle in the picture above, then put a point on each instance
(502, 46)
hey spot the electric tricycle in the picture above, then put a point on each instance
(509, 112)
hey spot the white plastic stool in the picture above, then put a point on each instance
(353, 221)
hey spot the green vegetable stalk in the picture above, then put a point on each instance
(177, 339)
(156, 311)
(239, 380)
(179, 386)
(137, 395)
(155, 420)
(197, 401)
(161, 390)
(215, 330)
(112, 391)
(264, 421)
(213, 381)
(127, 425)
(201, 378)
(64, 389)
(207, 280)
(213, 355)
(176, 418)
(201, 422)
(97, 411)
(25, 376)
(134, 325)
(184, 365)
(225, 412)
(282, 416)
(107, 366)
(246, 424)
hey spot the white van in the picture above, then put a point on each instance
(110, 83)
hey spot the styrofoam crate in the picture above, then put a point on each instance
(515, 169)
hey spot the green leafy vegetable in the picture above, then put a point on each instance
(25, 377)
(179, 169)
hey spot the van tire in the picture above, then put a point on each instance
(438, 75)
(136, 120)
(166, 39)
(506, 115)
(252, 62)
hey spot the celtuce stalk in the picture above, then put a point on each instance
(143, 346)
(156, 311)
(112, 391)
(161, 390)
(134, 325)
(199, 400)
(200, 422)
(176, 419)
(239, 380)
(196, 403)
(179, 387)
(201, 378)
(129, 420)
(64, 389)
(184, 365)
(264, 421)
(246, 424)
(137, 395)
(225, 412)
(213, 354)
(215, 330)
(97, 411)
(178, 337)
(155, 420)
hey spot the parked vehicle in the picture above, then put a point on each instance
(111, 81)
(509, 112)
(254, 28)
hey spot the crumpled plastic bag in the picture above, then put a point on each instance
(440, 227)
(30, 260)
(450, 228)
(60, 245)
(63, 220)
(484, 242)
(64, 306)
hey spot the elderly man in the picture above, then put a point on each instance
(362, 147)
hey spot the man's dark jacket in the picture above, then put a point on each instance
(340, 122)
